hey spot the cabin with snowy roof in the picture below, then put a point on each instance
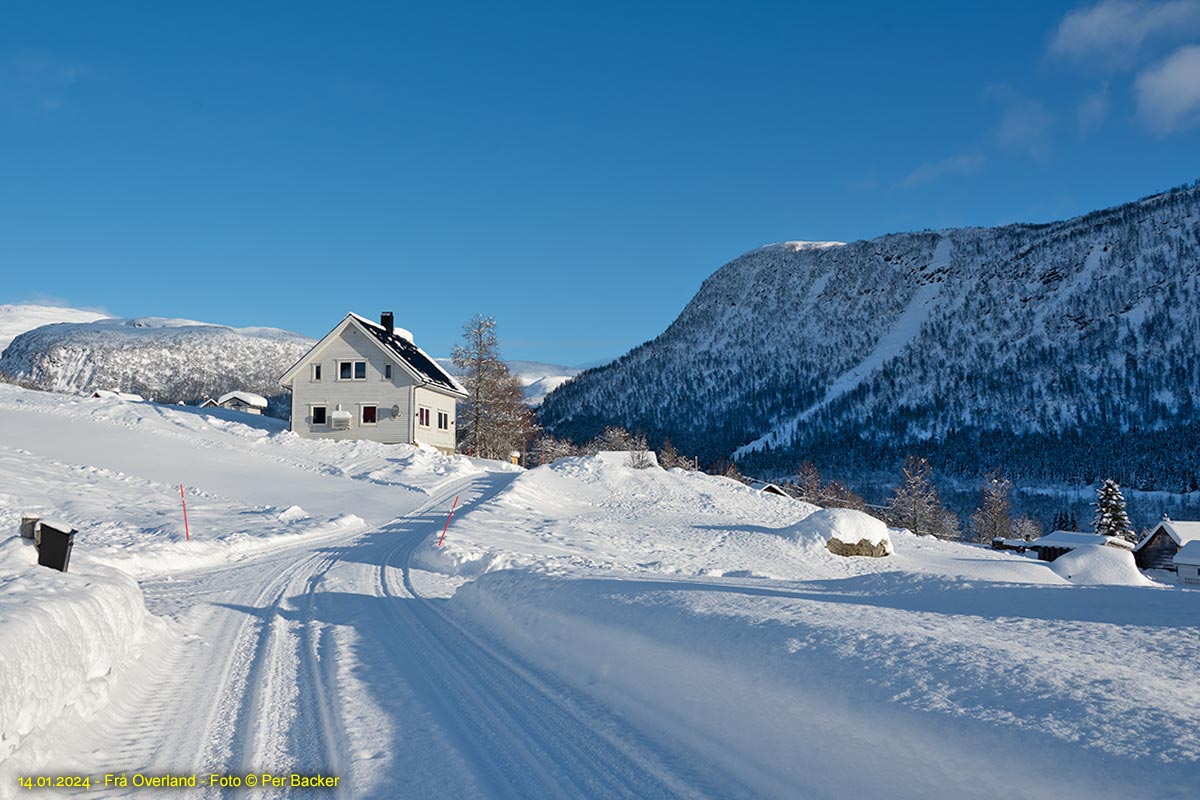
(1187, 563)
(1059, 543)
(367, 380)
(1158, 549)
(247, 402)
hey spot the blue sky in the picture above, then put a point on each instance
(575, 170)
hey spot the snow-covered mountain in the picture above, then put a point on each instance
(1058, 352)
(169, 360)
(17, 319)
(537, 378)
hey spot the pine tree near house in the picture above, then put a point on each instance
(1111, 519)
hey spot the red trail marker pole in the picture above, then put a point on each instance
(443, 538)
(187, 535)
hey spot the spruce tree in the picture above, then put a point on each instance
(1111, 519)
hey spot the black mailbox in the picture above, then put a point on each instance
(55, 549)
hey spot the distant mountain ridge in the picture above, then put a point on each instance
(168, 360)
(537, 378)
(1059, 352)
(17, 319)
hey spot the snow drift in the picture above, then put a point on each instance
(65, 640)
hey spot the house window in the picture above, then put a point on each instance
(443, 421)
(423, 417)
(368, 415)
(387, 371)
(352, 370)
(318, 415)
(316, 372)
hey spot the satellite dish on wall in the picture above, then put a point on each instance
(395, 411)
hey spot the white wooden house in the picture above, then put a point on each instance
(367, 380)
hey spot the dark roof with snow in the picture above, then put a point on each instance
(404, 349)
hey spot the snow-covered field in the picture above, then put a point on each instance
(588, 630)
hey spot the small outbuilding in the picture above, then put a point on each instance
(1159, 548)
(1058, 543)
(116, 394)
(767, 488)
(247, 402)
(1187, 563)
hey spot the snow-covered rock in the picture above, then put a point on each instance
(845, 532)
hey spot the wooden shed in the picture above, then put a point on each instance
(1158, 550)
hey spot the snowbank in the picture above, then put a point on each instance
(601, 513)
(65, 640)
(844, 531)
(1099, 564)
(791, 689)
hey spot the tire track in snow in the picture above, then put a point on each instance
(523, 738)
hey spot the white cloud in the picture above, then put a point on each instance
(1168, 93)
(965, 164)
(1113, 31)
(1092, 110)
(1024, 125)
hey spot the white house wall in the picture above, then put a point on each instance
(351, 395)
(435, 402)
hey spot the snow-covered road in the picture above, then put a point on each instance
(325, 658)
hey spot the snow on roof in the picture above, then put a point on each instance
(1070, 539)
(1189, 554)
(1181, 532)
(249, 398)
(401, 345)
(114, 394)
(339, 414)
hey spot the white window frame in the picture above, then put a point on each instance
(316, 373)
(352, 363)
(387, 372)
(443, 415)
(311, 408)
(424, 412)
(362, 422)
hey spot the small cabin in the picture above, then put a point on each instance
(1059, 543)
(1187, 563)
(764, 487)
(1158, 549)
(246, 402)
(116, 394)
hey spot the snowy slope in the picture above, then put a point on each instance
(588, 630)
(17, 319)
(170, 360)
(1057, 352)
